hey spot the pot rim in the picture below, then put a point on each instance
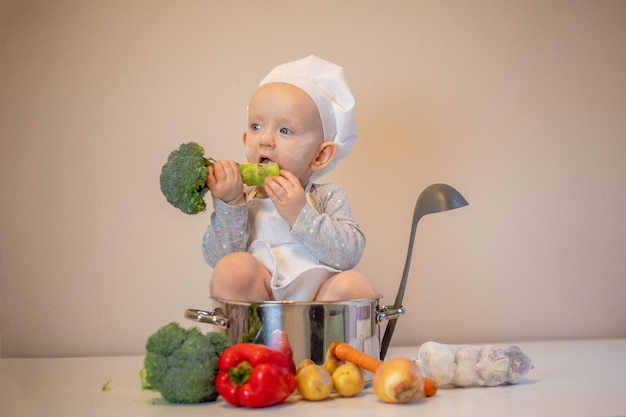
(298, 303)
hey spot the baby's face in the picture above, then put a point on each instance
(284, 126)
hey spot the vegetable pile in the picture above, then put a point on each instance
(186, 366)
(183, 177)
(396, 380)
(182, 363)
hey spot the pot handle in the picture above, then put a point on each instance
(215, 317)
(388, 313)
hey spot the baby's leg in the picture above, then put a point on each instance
(346, 285)
(239, 276)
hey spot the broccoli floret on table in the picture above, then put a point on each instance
(182, 363)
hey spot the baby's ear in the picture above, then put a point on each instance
(325, 154)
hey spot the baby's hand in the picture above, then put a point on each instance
(287, 195)
(225, 183)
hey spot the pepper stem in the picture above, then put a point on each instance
(240, 374)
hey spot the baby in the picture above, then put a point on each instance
(292, 239)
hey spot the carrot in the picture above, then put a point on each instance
(430, 387)
(345, 352)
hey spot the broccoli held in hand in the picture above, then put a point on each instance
(182, 363)
(183, 177)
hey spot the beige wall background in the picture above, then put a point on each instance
(520, 105)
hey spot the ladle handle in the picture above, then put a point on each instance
(391, 325)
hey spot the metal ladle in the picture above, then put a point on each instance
(433, 199)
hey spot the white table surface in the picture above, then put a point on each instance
(570, 378)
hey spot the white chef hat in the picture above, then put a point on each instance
(326, 84)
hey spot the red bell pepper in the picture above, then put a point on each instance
(253, 375)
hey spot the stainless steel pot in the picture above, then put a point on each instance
(310, 326)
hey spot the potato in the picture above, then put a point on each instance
(314, 382)
(303, 364)
(331, 365)
(348, 380)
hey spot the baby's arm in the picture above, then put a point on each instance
(227, 233)
(327, 228)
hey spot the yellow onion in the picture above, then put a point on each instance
(398, 380)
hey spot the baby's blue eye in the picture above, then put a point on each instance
(255, 126)
(285, 131)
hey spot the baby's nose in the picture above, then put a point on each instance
(267, 138)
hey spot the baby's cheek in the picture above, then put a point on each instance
(304, 153)
(249, 154)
